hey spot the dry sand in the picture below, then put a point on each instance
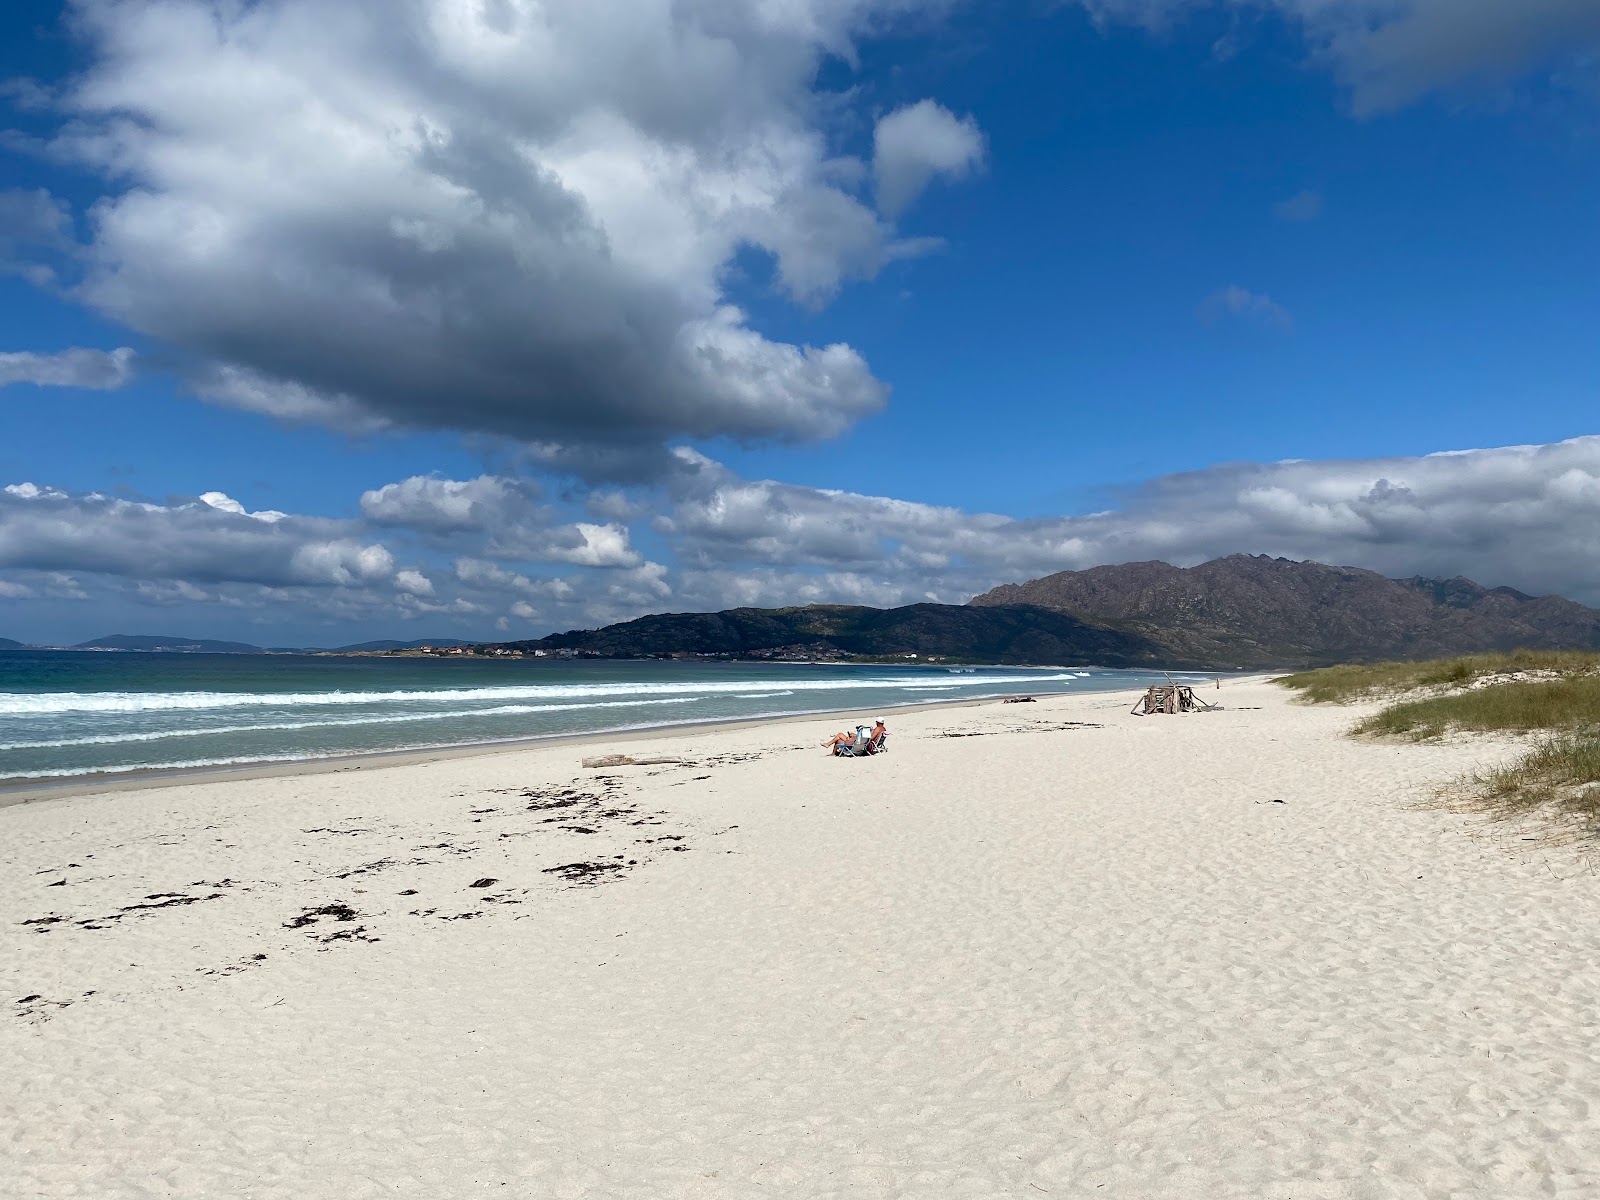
(1088, 960)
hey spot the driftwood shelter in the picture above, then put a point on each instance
(1170, 698)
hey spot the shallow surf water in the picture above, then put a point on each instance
(68, 713)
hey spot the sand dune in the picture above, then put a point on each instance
(1087, 954)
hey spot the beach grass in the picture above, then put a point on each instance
(1364, 681)
(1568, 703)
(1548, 692)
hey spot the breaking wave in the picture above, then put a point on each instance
(47, 704)
(114, 739)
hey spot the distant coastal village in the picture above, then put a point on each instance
(816, 653)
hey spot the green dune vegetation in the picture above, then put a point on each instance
(1553, 695)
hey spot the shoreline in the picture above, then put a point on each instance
(57, 787)
(62, 787)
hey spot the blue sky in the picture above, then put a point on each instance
(489, 318)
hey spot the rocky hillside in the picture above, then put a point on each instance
(1255, 611)
(1007, 634)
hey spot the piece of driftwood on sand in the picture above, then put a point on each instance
(627, 760)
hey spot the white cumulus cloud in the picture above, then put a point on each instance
(915, 144)
(1235, 301)
(98, 370)
(437, 505)
(500, 515)
(414, 583)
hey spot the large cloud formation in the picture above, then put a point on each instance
(520, 217)
(501, 216)
(208, 540)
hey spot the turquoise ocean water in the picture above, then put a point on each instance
(65, 713)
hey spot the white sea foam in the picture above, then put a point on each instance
(115, 739)
(47, 704)
(187, 764)
(303, 756)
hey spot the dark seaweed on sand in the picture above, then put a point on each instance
(587, 872)
(339, 912)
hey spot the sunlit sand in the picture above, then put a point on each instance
(1224, 954)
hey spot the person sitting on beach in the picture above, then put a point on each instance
(861, 741)
(845, 737)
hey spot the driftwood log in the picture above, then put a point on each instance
(627, 760)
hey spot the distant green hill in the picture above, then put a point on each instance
(1015, 634)
(173, 645)
(181, 645)
(8, 644)
(392, 645)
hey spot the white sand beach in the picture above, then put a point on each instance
(1084, 954)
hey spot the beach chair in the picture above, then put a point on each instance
(864, 744)
(857, 748)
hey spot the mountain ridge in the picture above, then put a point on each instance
(1258, 611)
(1243, 612)
(1015, 634)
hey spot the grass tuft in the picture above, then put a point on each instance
(1560, 778)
